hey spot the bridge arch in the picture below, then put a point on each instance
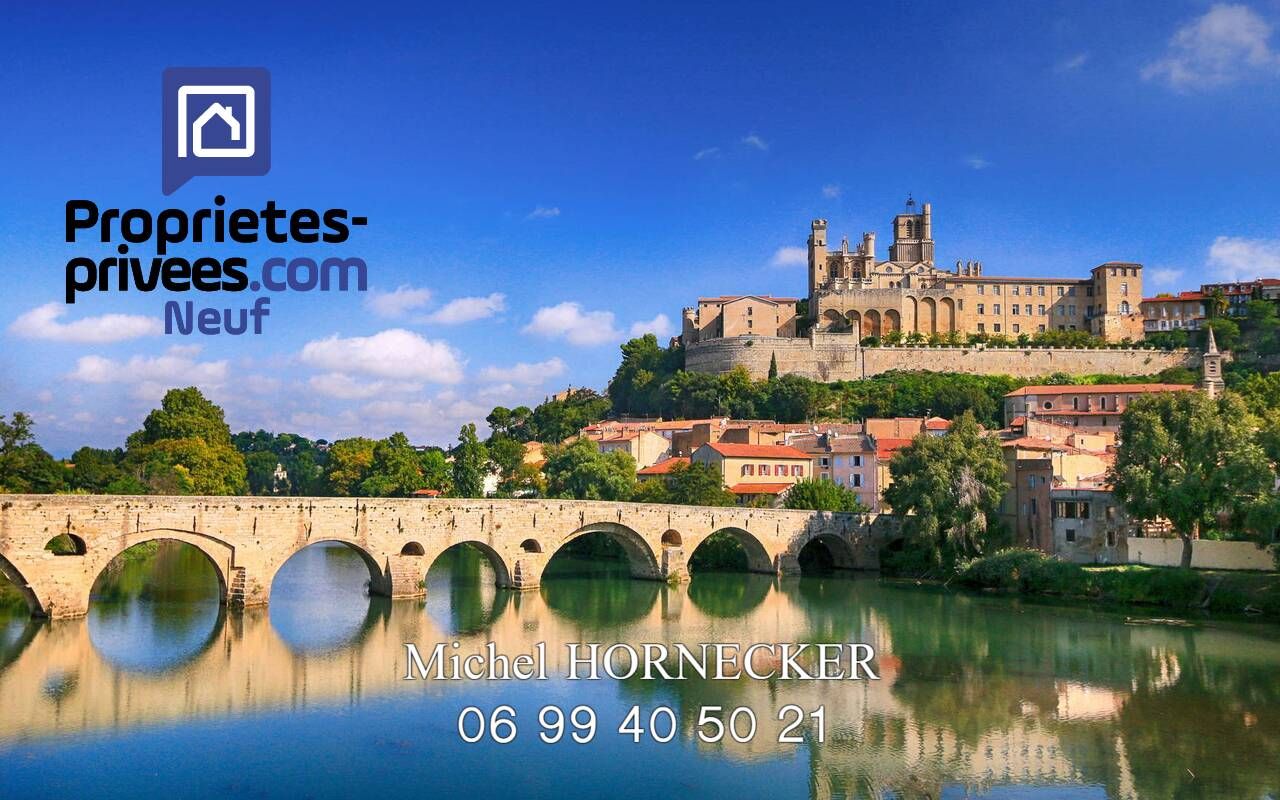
(219, 553)
(757, 557)
(11, 573)
(820, 551)
(672, 538)
(501, 570)
(412, 549)
(641, 559)
(379, 581)
(66, 544)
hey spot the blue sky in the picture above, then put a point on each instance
(544, 181)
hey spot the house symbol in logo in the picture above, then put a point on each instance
(245, 135)
(215, 122)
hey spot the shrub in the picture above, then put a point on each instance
(1023, 570)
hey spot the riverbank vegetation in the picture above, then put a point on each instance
(1031, 572)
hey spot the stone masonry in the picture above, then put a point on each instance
(248, 539)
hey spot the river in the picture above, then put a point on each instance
(160, 691)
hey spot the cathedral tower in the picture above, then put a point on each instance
(913, 235)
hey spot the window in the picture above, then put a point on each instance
(1035, 508)
(1071, 291)
(1124, 289)
(856, 461)
(1017, 328)
(1059, 291)
(1111, 513)
(996, 327)
(857, 480)
(1027, 309)
(764, 469)
(1047, 405)
(797, 471)
(1031, 481)
(748, 469)
(982, 327)
(1085, 506)
(780, 470)
(1071, 535)
(749, 323)
(749, 310)
(1075, 404)
(982, 289)
(982, 308)
(1014, 308)
(1111, 538)
(995, 289)
(1040, 328)
(1015, 290)
(824, 462)
(1041, 291)
(1040, 309)
(995, 309)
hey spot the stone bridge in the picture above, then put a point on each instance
(248, 539)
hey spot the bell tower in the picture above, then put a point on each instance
(913, 235)
(1211, 368)
(817, 258)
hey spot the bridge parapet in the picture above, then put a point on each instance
(248, 539)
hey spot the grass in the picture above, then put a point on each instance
(1031, 572)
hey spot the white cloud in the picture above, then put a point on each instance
(42, 322)
(151, 376)
(394, 304)
(752, 140)
(524, 373)
(468, 309)
(660, 326)
(1228, 43)
(707, 152)
(790, 257)
(1234, 258)
(344, 387)
(395, 353)
(831, 191)
(1164, 276)
(570, 322)
(1071, 63)
(543, 212)
(977, 162)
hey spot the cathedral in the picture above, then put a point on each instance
(851, 291)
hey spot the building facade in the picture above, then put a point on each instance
(852, 291)
(1169, 312)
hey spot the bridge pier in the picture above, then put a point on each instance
(787, 565)
(526, 573)
(405, 576)
(675, 566)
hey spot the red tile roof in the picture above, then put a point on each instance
(937, 424)
(1101, 388)
(886, 447)
(663, 467)
(1180, 297)
(760, 488)
(730, 450)
(426, 492)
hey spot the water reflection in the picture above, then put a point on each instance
(156, 606)
(979, 697)
(320, 599)
(462, 591)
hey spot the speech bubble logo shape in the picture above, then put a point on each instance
(215, 121)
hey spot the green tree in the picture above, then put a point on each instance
(261, 468)
(395, 470)
(697, 484)
(436, 472)
(185, 447)
(948, 490)
(1187, 458)
(349, 463)
(823, 495)
(95, 468)
(556, 420)
(470, 463)
(1225, 332)
(773, 366)
(580, 471)
(645, 366)
(25, 467)
(510, 422)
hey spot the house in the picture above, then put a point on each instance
(661, 470)
(885, 448)
(752, 471)
(1169, 312)
(1089, 525)
(647, 447)
(1094, 407)
(847, 460)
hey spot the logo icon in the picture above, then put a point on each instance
(217, 121)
